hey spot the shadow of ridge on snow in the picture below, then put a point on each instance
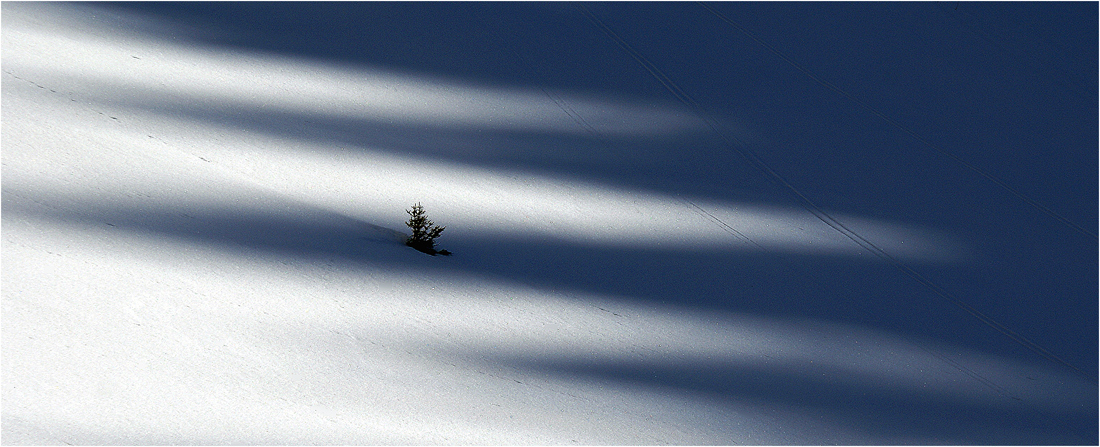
(269, 30)
(781, 285)
(638, 162)
(403, 37)
(863, 404)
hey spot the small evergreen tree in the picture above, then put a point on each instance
(424, 231)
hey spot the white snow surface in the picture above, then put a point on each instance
(171, 279)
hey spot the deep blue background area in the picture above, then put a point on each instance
(1009, 88)
(988, 106)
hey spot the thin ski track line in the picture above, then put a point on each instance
(665, 81)
(969, 372)
(651, 68)
(676, 91)
(741, 148)
(722, 223)
(562, 104)
(892, 122)
(569, 110)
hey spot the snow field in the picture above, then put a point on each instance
(172, 278)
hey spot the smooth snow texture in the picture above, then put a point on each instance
(172, 275)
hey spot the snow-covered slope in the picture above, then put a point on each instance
(202, 244)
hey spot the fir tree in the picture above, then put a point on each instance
(424, 231)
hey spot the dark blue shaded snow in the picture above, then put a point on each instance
(973, 120)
